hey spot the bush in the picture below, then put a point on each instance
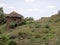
(37, 36)
(47, 26)
(0, 32)
(23, 22)
(22, 35)
(2, 17)
(46, 31)
(33, 30)
(44, 38)
(27, 20)
(3, 40)
(2, 21)
(12, 43)
(37, 26)
(12, 36)
(46, 43)
(12, 25)
(57, 20)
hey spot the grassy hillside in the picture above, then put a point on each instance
(45, 31)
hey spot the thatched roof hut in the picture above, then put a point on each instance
(13, 17)
(14, 14)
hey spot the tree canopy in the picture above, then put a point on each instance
(2, 17)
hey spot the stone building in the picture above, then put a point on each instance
(14, 18)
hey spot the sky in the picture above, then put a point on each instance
(31, 8)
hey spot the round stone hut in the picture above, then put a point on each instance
(13, 18)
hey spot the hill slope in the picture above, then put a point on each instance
(45, 31)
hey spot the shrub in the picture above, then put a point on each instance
(3, 40)
(57, 20)
(22, 35)
(33, 30)
(37, 26)
(46, 43)
(46, 31)
(12, 36)
(0, 32)
(12, 25)
(12, 43)
(47, 26)
(27, 20)
(37, 36)
(2, 17)
(44, 38)
(23, 22)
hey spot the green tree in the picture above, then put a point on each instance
(2, 17)
(29, 18)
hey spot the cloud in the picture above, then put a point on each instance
(6, 6)
(2, 5)
(33, 10)
(52, 7)
(10, 7)
(1, 1)
(29, 0)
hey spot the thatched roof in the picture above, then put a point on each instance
(14, 14)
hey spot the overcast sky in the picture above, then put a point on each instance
(31, 8)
